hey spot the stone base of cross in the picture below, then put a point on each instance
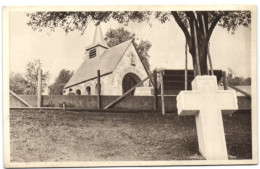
(206, 102)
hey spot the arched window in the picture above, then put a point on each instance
(70, 90)
(78, 92)
(88, 89)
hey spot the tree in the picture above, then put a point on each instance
(18, 84)
(57, 87)
(31, 76)
(114, 37)
(247, 81)
(237, 81)
(204, 22)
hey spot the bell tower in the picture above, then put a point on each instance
(98, 46)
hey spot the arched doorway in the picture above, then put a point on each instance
(78, 92)
(130, 80)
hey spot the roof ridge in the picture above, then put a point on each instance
(122, 54)
(114, 47)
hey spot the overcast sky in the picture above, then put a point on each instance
(59, 51)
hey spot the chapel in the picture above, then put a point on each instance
(120, 67)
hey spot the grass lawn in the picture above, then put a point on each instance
(56, 135)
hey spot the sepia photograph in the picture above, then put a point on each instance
(95, 86)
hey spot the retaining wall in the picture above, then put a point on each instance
(127, 103)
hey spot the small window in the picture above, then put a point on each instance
(132, 59)
(92, 53)
(78, 92)
(70, 89)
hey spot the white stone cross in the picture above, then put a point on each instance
(206, 102)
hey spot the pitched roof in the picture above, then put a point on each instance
(106, 63)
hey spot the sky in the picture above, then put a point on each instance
(58, 50)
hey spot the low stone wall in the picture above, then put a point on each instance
(14, 102)
(127, 103)
(90, 102)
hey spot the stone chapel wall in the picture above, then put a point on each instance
(111, 84)
(106, 86)
(124, 66)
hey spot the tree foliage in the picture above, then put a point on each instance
(114, 37)
(18, 84)
(57, 87)
(237, 81)
(204, 23)
(76, 20)
(27, 83)
(31, 76)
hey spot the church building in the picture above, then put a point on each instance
(120, 69)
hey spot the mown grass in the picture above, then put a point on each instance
(56, 135)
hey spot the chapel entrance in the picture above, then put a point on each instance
(130, 80)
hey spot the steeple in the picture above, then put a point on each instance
(98, 46)
(98, 37)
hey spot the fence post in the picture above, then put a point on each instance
(186, 68)
(155, 90)
(162, 92)
(39, 91)
(196, 49)
(98, 90)
(64, 106)
(225, 83)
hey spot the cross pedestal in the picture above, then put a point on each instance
(206, 102)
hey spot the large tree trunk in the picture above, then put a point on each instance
(202, 50)
(203, 34)
(202, 61)
(202, 46)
